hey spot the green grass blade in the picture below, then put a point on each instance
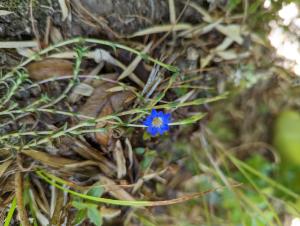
(11, 212)
(189, 120)
(263, 177)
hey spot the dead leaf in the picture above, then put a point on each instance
(259, 40)
(18, 44)
(98, 99)
(86, 151)
(172, 11)
(161, 28)
(149, 177)
(5, 201)
(50, 160)
(98, 55)
(121, 88)
(232, 31)
(59, 205)
(116, 191)
(81, 164)
(231, 55)
(200, 29)
(7, 185)
(119, 158)
(5, 12)
(55, 35)
(19, 188)
(83, 89)
(64, 9)
(26, 52)
(130, 152)
(49, 68)
(224, 45)
(205, 61)
(117, 101)
(41, 195)
(102, 103)
(4, 166)
(43, 220)
(109, 213)
(74, 95)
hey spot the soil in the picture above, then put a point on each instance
(124, 18)
(17, 26)
(89, 18)
(107, 19)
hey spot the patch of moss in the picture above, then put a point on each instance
(16, 4)
(11, 4)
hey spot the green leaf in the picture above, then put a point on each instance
(144, 56)
(180, 91)
(139, 150)
(80, 216)
(94, 216)
(148, 159)
(96, 191)
(232, 4)
(254, 6)
(80, 205)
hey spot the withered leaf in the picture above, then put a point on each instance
(115, 190)
(50, 160)
(103, 102)
(55, 35)
(109, 213)
(120, 159)
(41, 194)
(19, 188)
(116, 102)
(4, 166)
(97, 100)
(49, 68)
(38, 208)
(57, 209)
(7, 185)
(86, 151)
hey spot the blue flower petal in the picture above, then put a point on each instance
(154, 113)
(161, 131)
(153, 130)
(166, 121)
(148, 121)
(165, 127)
(160, 114)
(168, 116)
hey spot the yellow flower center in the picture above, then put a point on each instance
(157, 122)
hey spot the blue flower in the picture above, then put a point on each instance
(157, 122)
